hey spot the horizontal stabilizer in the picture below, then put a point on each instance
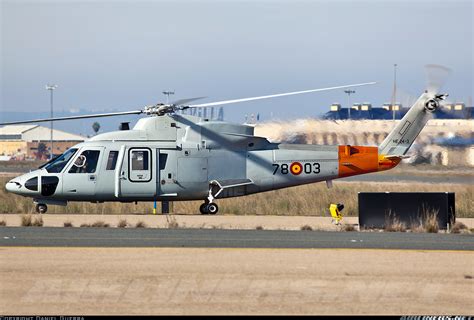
(394, 157)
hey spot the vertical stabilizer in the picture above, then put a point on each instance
(405, 132)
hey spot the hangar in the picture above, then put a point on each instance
(21, 142)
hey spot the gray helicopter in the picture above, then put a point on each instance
(169, 156)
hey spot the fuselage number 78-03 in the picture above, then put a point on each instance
(297, 168)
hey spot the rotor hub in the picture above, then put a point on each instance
(433, 104)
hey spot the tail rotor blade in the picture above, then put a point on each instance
(436, 77)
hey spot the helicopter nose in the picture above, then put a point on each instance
(13, 186)
(25, 185)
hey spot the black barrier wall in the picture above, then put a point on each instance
(377, 208)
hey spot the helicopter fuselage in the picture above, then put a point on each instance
(180, 157)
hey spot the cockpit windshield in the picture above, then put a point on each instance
(57, 164)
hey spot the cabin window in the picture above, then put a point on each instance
(86, 162)
(140, 160)
(163, 158)
(112, 160)
(139, 165)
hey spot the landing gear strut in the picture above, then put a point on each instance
(209, 207)
(41, 208)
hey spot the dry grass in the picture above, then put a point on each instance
(430, 223)
(171, 222)
(458, 227)
(3, 223)
(100, 224)
(122, 223)
(348, 227)
(306, 200)
(97, 224)
(306, 228)
(417, 227)
(26, 220)
(140, 224)
(393, 224)
(37, 222)
(68, 224)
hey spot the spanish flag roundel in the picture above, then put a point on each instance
(296, 168)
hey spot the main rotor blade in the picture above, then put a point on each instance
(219, 103)
(184, 101)
(112, 114)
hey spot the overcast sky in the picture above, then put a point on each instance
(122, 55)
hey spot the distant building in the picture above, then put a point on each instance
(206, 113)
(356, 106)
(362, 111)
(220, 115)
(33, 142)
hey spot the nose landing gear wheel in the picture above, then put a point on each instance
(41, 208)
(212, 208)
(208, 208)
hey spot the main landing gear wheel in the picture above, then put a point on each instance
(41, 208)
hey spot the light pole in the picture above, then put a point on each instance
(349, 92)
(167, 94)
(51, 88)
(394, 90)
(167, 206)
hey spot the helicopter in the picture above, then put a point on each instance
(170, 156)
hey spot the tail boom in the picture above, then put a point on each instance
(355, 160)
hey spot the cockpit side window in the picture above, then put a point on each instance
(86, 162)
(57, 164)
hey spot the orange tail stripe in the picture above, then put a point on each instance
(354, 160)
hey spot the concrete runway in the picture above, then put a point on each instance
(209, 238)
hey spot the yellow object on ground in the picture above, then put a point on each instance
(335, 210)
